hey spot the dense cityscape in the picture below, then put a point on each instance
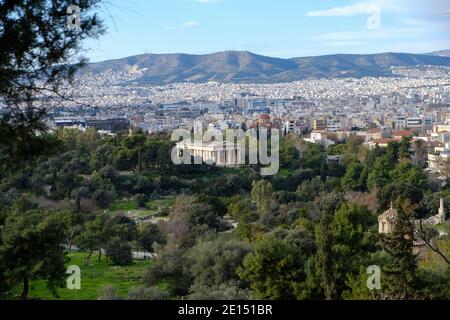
(229, 183)
(327, 111)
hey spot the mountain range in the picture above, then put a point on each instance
(246, 67)
(441, 53)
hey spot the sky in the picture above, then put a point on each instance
(277, 28)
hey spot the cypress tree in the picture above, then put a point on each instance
(324, 239)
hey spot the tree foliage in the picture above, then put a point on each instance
(31, 249)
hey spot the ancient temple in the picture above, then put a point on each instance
(387, 220)
(217, 152)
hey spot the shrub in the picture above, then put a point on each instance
(151, 293)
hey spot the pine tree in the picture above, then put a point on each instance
(38, 54)
(400, 279)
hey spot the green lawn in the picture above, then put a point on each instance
(124, 205)
(93, 279)
(433, 261)
(445, 227)
(152, 207)
(160, 204)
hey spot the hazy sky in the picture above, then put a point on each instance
(280, 28)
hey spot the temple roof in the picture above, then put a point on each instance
(389, 214)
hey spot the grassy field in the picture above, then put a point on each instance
(152, 207)
(123, 205)
(443, 228)
(433, 261)
(93, 279)
(163, 204)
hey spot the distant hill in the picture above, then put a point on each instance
(441, 53)
(238, 66)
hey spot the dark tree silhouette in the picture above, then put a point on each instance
(38, 53)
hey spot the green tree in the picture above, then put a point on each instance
(324, 171)
(99, 231)
(78, 194)
(104, 198)
(355, 177)
(204, 214)
(289, 155)
(309, 190)
(171, 263)
(39, 52)
(141, 200)
(273, 270)
(407, 181)
(325, 241)
(119, 252)
(215, 262)
(262, 194)
(31, 249)
(354, 148)
(353, 242)
(379, 176)
(150, 234)
(312, 156)
(404, 152)
(241, 207)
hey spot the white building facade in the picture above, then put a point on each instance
(219, 153)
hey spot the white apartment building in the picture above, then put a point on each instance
(319, 138)
(439, 159)
(333, 124)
